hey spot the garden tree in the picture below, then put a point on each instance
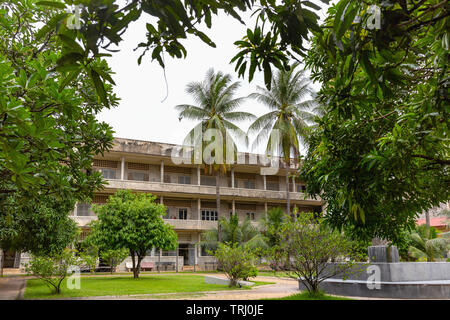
(52, 270)
(40, 227)
(114, 257)
(424, 244)
(380, 153)
(134, 222)
(311, 246)
(216, 111)
(48, 129)
(237, 262)
(272, 227)
(233, 233)
(279, 34)
(289, 115)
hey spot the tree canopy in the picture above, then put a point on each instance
(48, 131)
(132, 221)
(380, 153)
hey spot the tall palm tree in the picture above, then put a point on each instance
(290, 114)
(215, 109)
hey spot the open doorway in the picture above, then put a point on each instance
(186, 250)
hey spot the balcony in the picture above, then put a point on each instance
(195, 190)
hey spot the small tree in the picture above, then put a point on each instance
(114, 257)
(316, 252)
(237, 262)
(132, 221)
(89, 260)
(52, 270)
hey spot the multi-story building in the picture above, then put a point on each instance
(189, 193)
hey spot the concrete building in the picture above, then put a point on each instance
(190, 194)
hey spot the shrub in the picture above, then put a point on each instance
(237, 262)
(114, 257)
(52, 270)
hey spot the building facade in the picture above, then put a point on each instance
(189, 193)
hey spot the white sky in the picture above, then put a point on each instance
(142, 114)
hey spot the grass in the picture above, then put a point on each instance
(118, 285)
(305, 295)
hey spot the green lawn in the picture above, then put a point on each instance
(118, 285)
(306, 296)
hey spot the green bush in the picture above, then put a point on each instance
(52, 270)
(237, 262)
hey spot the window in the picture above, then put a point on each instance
(108, 173)
(273, 186)
(301, 188)
(182, 214)
(251, 215)
(138, 176)
(184, 179)
(167, 214)
(249, 184)
(169, 253)
(205, 252)
(167, 178)
(209, 215)
(83, 209)
(208, 181)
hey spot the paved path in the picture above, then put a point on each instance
(12, 288)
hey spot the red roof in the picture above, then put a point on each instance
(434, 222)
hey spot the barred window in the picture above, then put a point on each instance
(108, 173)
(83, 209)
(184, 179)
(209, 215)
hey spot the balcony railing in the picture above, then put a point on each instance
(193, 189)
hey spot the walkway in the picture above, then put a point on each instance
(12, 288)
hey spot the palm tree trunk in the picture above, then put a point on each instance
(219, 231)
(427, 218)
(288, 199)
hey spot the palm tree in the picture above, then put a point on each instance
(289, 114)
(425, 244)
(233, 233)
(215, 109)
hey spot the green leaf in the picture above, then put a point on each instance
(53, 4)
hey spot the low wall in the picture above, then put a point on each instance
(406, 280)
(223, 281)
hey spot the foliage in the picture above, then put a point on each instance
(52, 269)
(89, 258)
(379, 156)
(237, 262)
(315, 251)
(279, 32)
(286, 124)
(132, 221)
(217, 113)
(426, 245)
(114, 257)
(48, 132)
(233, 233)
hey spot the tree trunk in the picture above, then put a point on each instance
(427, 218)
(133, 259)
(219, 229)
(288, 198)
(138, 268)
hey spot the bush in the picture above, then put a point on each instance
(52, 270)
(114, 257)
(237, 262)
(316, 252)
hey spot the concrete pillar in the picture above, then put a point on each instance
(75, 213)
(233, 206)
(198, 175)
(161, 200)
(265, 182)
(162, 171)
(122, 169)
(199, 207)
(232, 177)
(265, 206)
(176, 258)
(293, 184)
